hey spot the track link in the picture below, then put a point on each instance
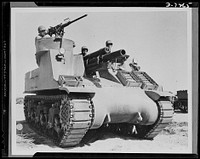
(77, 121)
(75, 118)
(165, 114)
(165, 117)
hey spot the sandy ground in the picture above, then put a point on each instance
(173, 139)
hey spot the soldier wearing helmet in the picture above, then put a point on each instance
(109, 44)
(42, 32)
(84, 50)
(134, 66)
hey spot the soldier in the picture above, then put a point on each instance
(39, 111)
(28, 104)
(46, 110)
(42, 33)
(50, 117)
(33, 111)
(30, 109)
(109, 44)
(38, 108)
(134, 66)
(41, 115)
(113, 65)
(84, 50)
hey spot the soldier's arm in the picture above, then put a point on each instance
(47, 36)
(38, 37)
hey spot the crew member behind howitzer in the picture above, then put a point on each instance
(114, 65)
(42, 33)
(84, 50)
(109, 44)
(134, 66)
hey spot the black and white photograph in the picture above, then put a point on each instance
(101, 80)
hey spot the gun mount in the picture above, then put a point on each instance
(58, 30)
(100, 59)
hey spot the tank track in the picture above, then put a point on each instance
(165, 117)
(165, 114)
(76, 116)
(165, 108)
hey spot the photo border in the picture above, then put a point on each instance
(7, 70)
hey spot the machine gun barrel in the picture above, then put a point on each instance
(70, 22)
(58, 30)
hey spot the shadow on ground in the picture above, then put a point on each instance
(90, 137)
(35, 138)
(103, 134)
(178, 111)
(94, 135)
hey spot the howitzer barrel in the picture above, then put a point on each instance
(98, 60)
(114, 55)
(97, 53)
(93, 68)
(122, 59)
(93, 61)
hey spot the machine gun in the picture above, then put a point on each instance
(99, 59)
(58, 30)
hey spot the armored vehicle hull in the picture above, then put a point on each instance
(73, 94)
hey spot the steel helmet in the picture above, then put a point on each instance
(109, 42)
(84, 48)
(134, 61)
(41, 28)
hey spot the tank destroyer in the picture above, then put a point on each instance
(73, 94)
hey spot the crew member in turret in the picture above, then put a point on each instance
(109, 44)
(42, 33)
(84, 51)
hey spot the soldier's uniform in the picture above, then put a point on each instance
(52, 112)
(46, 110)
(42, 33)
(109, 44)
(40, 37)
(38, 110)
(112, 65)
(84, 51)
(134, 66)
(32, 110)
(29, 108)
(50, 117)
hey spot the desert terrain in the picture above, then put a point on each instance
(173, 139)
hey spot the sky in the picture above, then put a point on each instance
(158, 38)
